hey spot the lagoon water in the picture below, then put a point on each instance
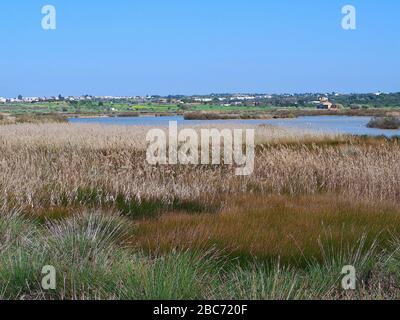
(328, 124)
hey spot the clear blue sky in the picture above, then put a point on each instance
(132, 47)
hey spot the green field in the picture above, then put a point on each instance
(101, 108)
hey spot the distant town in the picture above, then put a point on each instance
(304, 100)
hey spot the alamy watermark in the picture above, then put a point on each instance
(49, 278)
(349, 279)
(187, 147)
(349, 20)
(49, 20)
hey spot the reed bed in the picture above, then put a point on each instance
(45, 166)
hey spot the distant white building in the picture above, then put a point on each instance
(243, 98)
(324, 103)
(203, 99)
(3, 100)
(31, 99)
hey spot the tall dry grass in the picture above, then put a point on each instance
(59, 166)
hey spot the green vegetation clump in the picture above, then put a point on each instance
(390, 123)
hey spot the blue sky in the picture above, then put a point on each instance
(132, 47)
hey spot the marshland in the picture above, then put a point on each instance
(92, 209)
(82, 198)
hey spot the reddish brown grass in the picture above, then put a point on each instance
(273, 227)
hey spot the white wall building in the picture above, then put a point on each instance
(203, 99)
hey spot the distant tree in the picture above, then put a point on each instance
(20, 97)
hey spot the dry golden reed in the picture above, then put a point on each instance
(63, 165)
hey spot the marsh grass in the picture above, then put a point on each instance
(32, 118)
(389, 123)
(115, 227)
(94, 260)
(92, 263)
(291, 230)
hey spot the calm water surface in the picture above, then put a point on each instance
(328, 124)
